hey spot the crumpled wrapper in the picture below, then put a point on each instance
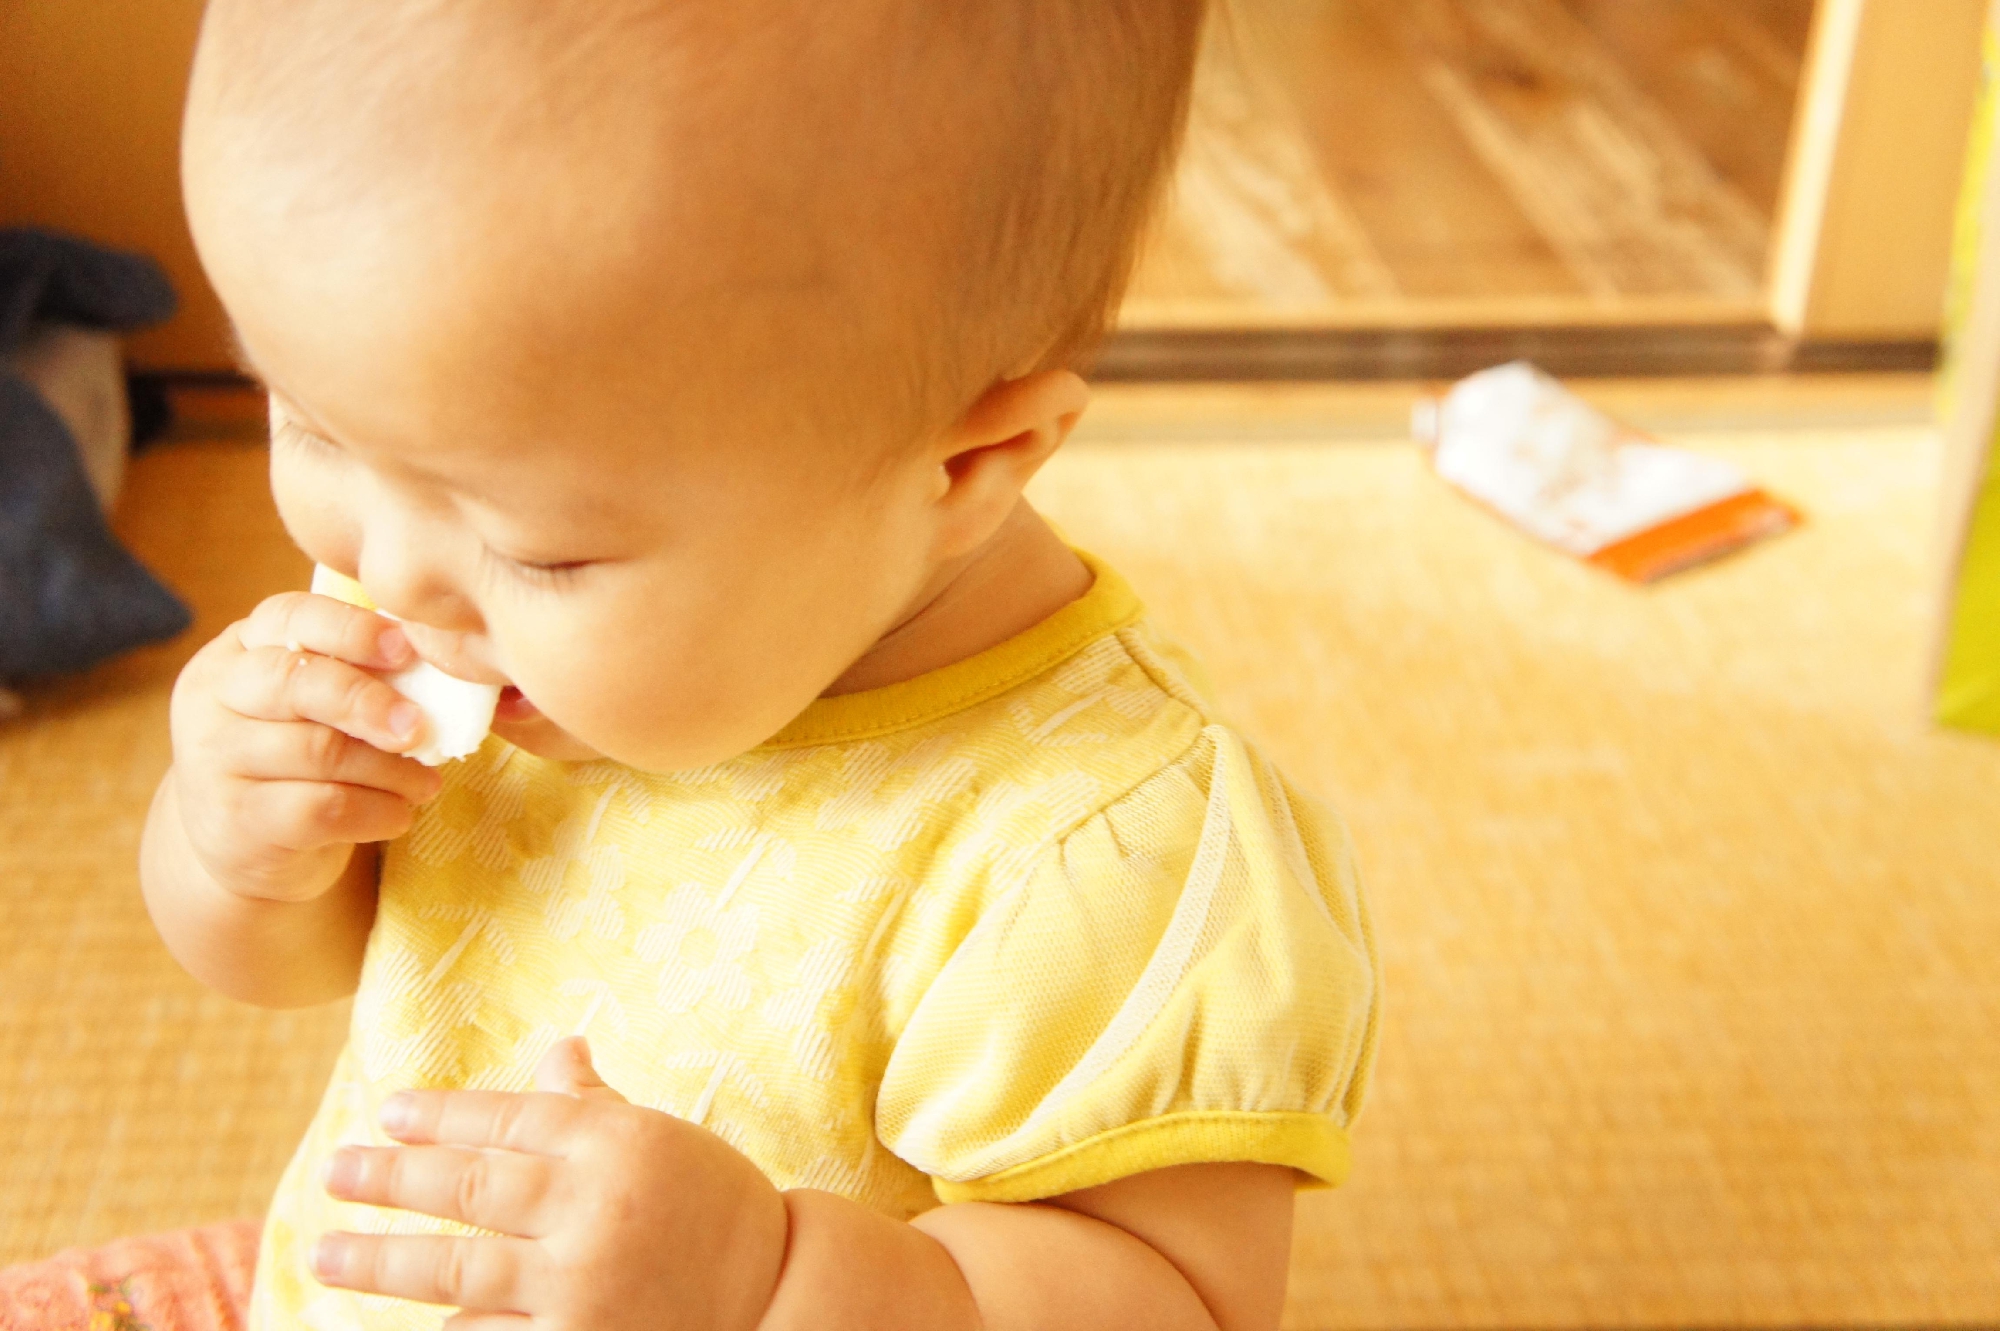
(1570, 476)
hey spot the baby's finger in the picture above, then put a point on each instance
(480, 1273)
(272, 684)
(332, 628)
(504, 1191)
(305, 815)
(309, 751)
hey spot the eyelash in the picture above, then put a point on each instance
(545, 577)
(292, 433)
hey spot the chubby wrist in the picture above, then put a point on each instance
(257, 949)
(302, 877)
(846, 1266)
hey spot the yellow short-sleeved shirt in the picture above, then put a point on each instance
(1029, 923)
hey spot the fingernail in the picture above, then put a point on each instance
(326, 1256)
(343, 1171)
(394, 646)
(399, 1111)
(403, 718)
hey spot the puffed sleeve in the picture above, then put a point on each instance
(1185, 976)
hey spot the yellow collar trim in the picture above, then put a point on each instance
(1109, 605)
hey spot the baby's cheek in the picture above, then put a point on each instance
(314, 515)
(662, 677)
(585, 699)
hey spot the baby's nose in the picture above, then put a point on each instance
(411, 586)
(463, 655)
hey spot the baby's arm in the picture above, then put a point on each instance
(256, 863)
(608, 1216)
(1188, 1248)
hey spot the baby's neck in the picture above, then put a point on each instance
(1019, 577)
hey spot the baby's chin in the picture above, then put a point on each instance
(524, 726)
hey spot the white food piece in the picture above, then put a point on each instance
(457, 713)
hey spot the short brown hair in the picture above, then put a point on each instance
(1100, 99)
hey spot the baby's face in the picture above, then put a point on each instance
(604, 483)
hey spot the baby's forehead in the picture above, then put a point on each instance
(621, 86)
(748, 145)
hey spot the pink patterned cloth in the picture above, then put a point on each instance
(189, 1280)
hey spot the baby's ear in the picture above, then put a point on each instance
(1031, 415)
(996, 448)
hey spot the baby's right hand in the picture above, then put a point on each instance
(285, 759)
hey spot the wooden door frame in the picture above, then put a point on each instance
(1862, 243)
(1859, 257)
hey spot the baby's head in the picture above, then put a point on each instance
(658, 356)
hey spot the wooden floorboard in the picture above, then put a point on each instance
(1405, 157)
(1443, 223)
(1712, 72)
(1253, 218)
(1788, 23)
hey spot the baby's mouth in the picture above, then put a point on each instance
(514, 706)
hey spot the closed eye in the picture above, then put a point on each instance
(548, 576)
(493, 563)
(290, 434)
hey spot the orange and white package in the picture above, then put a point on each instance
(1567, 474)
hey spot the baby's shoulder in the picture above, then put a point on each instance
(1179, 956)
(1103, 797)
(981, 791)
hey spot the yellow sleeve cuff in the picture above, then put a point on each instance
(1310, 1143)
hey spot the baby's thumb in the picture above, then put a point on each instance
(566, 1070)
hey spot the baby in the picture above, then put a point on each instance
(856, 918)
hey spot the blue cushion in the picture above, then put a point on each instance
(70, 594)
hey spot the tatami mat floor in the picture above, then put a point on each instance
(1688, 917)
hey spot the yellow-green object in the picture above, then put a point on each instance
(1969, 675)
(1969, 692)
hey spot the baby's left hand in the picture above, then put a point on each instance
(618, 1216)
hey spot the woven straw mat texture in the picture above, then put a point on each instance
(1687, 917)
